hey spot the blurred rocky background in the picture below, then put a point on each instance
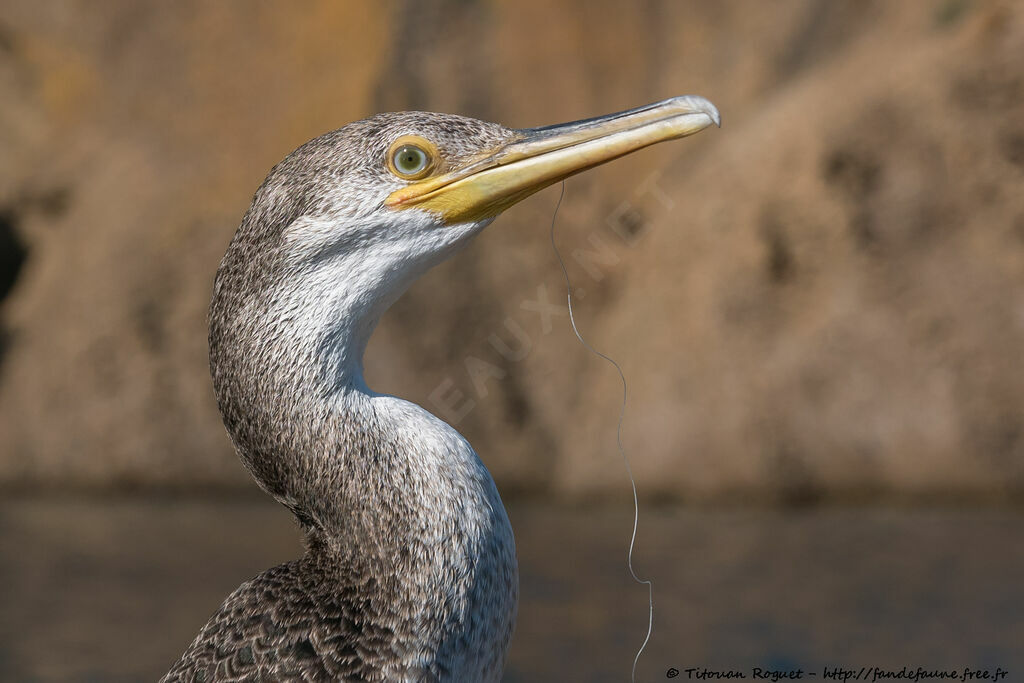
(823, 299)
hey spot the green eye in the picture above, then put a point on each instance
(410, 160)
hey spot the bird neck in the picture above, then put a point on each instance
(391, 497)
(360, 470)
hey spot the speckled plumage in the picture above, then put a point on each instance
(410, 571)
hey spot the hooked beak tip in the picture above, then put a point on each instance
(700, 105)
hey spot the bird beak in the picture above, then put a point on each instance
(540, 157)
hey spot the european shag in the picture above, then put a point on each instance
(410, 571)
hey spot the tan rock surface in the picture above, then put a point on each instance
(825, 297)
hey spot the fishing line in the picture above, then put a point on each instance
(618, 441)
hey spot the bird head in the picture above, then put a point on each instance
(402, 190)
(350, 219)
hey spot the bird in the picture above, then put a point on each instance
(410, 570)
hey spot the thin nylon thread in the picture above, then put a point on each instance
(618, 441)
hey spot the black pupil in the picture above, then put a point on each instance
(411, 159)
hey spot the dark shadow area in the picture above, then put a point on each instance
(13, 253)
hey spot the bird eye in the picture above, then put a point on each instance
(410, 160)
